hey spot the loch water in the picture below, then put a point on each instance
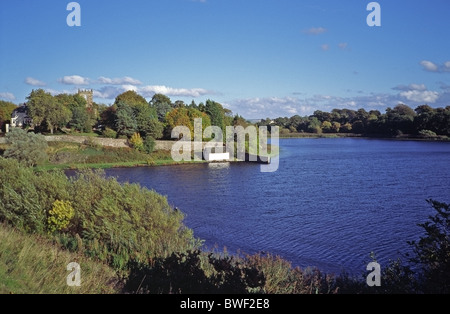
(330, 204)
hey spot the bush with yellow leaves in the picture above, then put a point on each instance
(137, 142)
(59, 216)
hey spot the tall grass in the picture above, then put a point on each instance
(34, 265)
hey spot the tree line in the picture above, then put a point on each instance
(423, 121)
(132, 114)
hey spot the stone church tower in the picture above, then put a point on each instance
(88, 95)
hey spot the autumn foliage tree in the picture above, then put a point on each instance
(185, 117)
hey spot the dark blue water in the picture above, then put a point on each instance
(331, 203)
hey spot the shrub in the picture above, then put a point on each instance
(90, 142)
(149, 144)
(151, 162)
(194, 272)
(27, 148)
(109, 133)
(137, 142)
(26, 196)
(432, 251)
(427, 134)
(119, 223)
(59, 216)
(285, 131)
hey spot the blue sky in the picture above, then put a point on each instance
(259, 58)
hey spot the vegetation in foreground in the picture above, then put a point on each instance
(97, 221)
(33, 264)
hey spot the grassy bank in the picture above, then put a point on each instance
(33, 264)
(64, 155)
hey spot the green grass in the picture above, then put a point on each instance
(30, 264)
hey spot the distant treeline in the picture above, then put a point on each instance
(424, 121)
(131, 113)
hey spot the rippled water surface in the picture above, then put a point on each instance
(331, 203)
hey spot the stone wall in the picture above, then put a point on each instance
(83, 139)
(109, 142)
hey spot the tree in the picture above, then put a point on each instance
(57, 116)
(179, 104)
(216, 113)
(327, 127)
(43, 107)
(336, 127)
(108, 116)
(315, 126)
(162, 104)
(6, 110)
(240, 121)
(81, 120)
(400, 119)
(346, 128)
(71, 101)
(282, 122)
(131, 98)
(148, 123)
(193, 105)
(296, 122)
(358, 127)
(27, 148)
(322, 116)
(185, 117)
(125, 120)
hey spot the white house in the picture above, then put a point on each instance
(20, 118)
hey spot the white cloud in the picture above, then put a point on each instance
(7, 96)
(34, 82)
(417, 93)
(433, 67)
(149, 91)
(417, 96)
(261, 108)
(109, 92)
(315, 30)
(74, 80)
(447, 66)
(118, 81)
(130, 87)
(411, 87)
(429, 66)
(325, 47)
(57, 92)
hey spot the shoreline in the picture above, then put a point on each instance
(168, 162)
(364, 136)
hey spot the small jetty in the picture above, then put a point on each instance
(225, 157)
